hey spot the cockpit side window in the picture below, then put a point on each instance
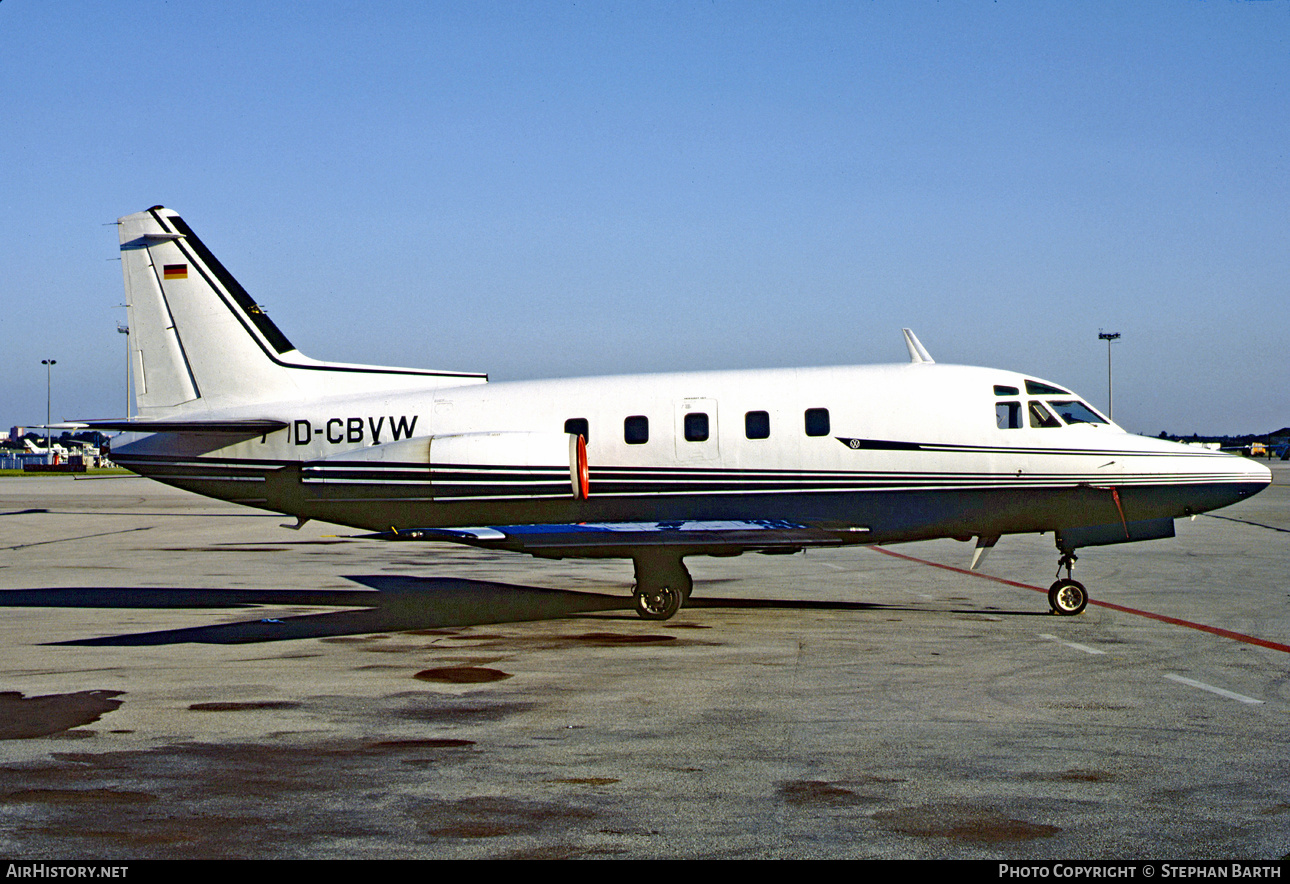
(1075, 412)
(1008, 415)
(1035, 388)
(1040, 417)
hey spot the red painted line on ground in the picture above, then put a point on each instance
(1175, 621)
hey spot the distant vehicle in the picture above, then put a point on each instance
(654, 468)
(1251, 449)
(59, 452)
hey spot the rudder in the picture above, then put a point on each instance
(198, 341)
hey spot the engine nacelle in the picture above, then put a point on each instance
(470, 465)
(508, 463)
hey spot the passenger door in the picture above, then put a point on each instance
(696, 431)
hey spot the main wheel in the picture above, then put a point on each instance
(1068, 597)
(657, 602)
(685, 584)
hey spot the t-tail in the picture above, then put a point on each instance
(201, 344)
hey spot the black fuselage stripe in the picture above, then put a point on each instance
(552, 482)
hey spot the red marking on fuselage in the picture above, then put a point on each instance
(1163, 618)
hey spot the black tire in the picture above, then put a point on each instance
(658, 602)
(686, 585)
(1068, 597)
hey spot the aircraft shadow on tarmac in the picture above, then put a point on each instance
(397, 604)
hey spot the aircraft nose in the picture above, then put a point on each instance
(1221, 481)
(1254, 471)
(1248, 476)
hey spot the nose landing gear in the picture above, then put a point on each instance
(1067, 596)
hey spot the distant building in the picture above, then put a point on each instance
(16, 433)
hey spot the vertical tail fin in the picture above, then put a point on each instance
(199, 342)
(196, 335)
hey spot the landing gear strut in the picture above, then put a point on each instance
(662, 585)
(1067, 596)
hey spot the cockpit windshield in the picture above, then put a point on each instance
(1008, 414)
(1075, 412)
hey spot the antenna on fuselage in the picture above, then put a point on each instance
(917, 352)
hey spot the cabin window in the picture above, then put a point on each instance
(1076, 412)
(1035, 388)
(577, 426)
(636, 429)
(1007, 415)
(757, 425)
(817, 422)
(1003, 390)
(1039, 416)
(696, 427)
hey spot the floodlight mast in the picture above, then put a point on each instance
(125, 330)
(1108, 337)
(49, 386)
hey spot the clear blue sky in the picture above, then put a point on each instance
(552, 189)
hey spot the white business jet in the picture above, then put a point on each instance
(653, 468)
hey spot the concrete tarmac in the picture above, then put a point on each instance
(183, 678)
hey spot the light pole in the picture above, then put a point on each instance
(125, 330)
(49, 386)
(1108, 337)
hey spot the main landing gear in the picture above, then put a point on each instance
(662, 586)
(1067, 596)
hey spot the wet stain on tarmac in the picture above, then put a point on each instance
(461, 675)
(587, 781)
(423, 744)
(26, 718)
(808, 793)
(1086, 776)
(493, 817)
(610, 639)
(1074, 775)
(961, 822)
(242, 800)
(562, 851)
(1090, 706)
(243, 706)
(557, 641)
(73, 797)
(448, 711)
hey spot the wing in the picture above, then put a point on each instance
(623, 539)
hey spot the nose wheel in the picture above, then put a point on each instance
(1067, 596)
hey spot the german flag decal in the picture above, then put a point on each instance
(175, 271)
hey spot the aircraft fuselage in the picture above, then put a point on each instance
(892, 453)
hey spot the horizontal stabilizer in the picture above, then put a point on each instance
(142, 425)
